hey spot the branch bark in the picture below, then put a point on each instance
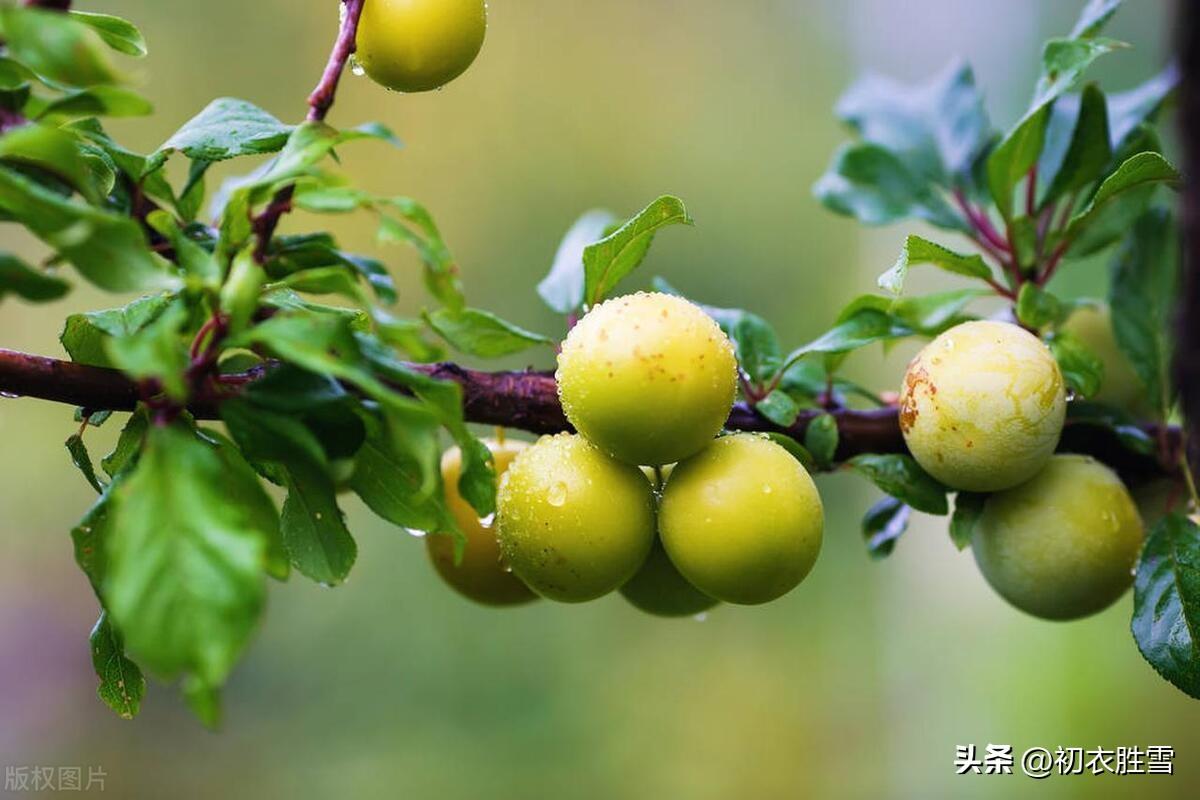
(528, 401)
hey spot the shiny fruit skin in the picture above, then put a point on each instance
(742, 520)
(982, 406)
(574, 524)
(1092, 325)
(648, 378)
(1064, 544)
(659, 589)
(482, 575)
(420, 45)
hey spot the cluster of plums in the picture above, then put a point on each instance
(645, 498)
(982, 409)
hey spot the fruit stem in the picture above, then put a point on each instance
(322, 97)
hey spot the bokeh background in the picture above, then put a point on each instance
(858, 684)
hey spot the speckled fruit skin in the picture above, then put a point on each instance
(982, 406)
(482, 575)
(1063, 545)
(659, 589)
(648, 378)
(420, 45)
(1121, 387)
(742, 520)
(574, 524)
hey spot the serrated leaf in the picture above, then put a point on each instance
(314, 529)
(185, 564)
(481, 333)
(1081, 368)
(901, 477)
(562, 288)
(1138, 170)
(611, 259)
(862, 327)
(1088, 150)
(119, 34)
(84, 336)
(226, 128)
(83, 462)
(870, 183)
(17, 277)
(1064, 61)
(157, 351)
(778, 407)
(918, 250)
(1166, 602)
(107, 249)
(391, 475)
(1142, 294)
(884, 523)
(968, 508)
(821, 439)
(122, 685)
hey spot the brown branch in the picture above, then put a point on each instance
(528, 401)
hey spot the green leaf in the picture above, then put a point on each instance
(314, 530)
(129, 444)
(931, 314)
(1063, 63)
(482, 333)
(441, 272)
(562, 288)
(98, 101)
(1037, 308)
(1094, 17)
(107, 249)
(158, 351)
(611, 259)
(1166, 602)
(56, 46)
(122, 685)
(17, 277)
(1015, 155)
(196, 262)
(870, 183)
(821, 439)
(795, 449)
(1142, 294)
(968, 508)
(857, 329)
(51, 150)
(83, 462)
(1089, 150)
(902, 478)
(938, 128)
(227, 128)
(392, 474)
(186, 556)
(922, 251)
(1138, 170)
(779, 407)
(1081, 368)
(119, 34)
(203, 700)
(883, 525)
(85, 336)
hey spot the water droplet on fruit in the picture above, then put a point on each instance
(356, 67)
(557, 496)
(487, 522)
(701, 617)
(767, 488)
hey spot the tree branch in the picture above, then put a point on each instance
(528, 401)
(321, 99)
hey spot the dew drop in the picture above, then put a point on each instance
(557, 495)
(415, 533)
(1072, 395)
(356, 67)
(767, 488)
(487, 522)
(10, 396)
(701, 617)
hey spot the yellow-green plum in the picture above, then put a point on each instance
(482, 574)
(1121, 387)
(419, 45)
(982, 406)
(574, 524)
(1063, 545)
(659, 589)
(742, 520)
(648, 378)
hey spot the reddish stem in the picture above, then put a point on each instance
(322, 97)
(1031, 190)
